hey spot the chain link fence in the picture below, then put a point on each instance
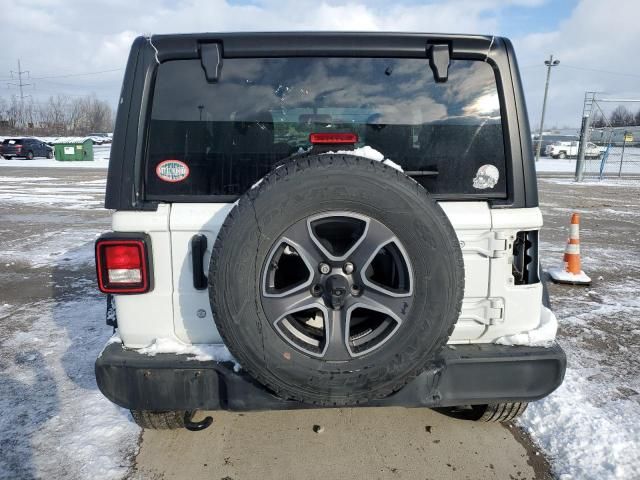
(620, 153)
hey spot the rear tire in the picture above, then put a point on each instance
(491, 413)
(158, 420)
(503, 412)
(29, 156)
(562, 155)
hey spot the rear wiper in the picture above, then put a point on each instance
(421, 173)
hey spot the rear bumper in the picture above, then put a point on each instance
(464, 375)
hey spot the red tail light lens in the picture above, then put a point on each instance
(333, 138)
(122, 265)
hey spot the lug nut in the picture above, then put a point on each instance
(355, 290)
(324, 268)
(348, 268)
(316, 290)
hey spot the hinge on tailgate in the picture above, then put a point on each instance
(491, 244)
(489, 311)
(499, 244)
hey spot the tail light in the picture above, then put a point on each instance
(122, 263)
(333, 138)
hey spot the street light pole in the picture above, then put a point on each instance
(549, 63)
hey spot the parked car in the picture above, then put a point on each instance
(27, 147)
(100, 138)
(570, 149)
(257, 221)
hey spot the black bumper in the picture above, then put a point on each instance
(463, 375)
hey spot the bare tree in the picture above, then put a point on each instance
(621, 117)
(60, 115)
(598, 121)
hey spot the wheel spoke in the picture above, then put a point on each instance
(376, 236)
(300, 238)
(277, 307)
(396, 307)
(336, 337)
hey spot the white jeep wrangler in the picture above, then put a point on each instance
(319, 220)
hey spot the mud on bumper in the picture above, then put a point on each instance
(461, 375)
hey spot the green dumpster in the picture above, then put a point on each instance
(73, 149)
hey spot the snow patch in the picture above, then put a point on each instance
(561, 275)
(542, 336)
(586, 441)
(200, 353)
(54, 422)
(370, 153)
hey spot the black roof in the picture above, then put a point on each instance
(266, 44)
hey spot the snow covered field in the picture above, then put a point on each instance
(54, 423)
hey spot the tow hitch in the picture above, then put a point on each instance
(195, 426)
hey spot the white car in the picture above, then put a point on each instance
(570, 149)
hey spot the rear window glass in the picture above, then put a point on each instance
(226, 135)
(12, 141)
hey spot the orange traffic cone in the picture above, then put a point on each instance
(572, 272)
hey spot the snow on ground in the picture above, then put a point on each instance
(590, 426)
(547, 164)
(54, 422)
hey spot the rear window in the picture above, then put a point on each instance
(211, 139)
(12, 141)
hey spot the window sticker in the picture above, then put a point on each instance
(486, 177)
(172, 171)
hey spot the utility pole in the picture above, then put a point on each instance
(549, 63)
(21, 84)
(589, 102)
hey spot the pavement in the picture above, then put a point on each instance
(359, 443)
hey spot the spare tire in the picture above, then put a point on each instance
(336, 280)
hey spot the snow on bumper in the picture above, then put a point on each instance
(542, 336)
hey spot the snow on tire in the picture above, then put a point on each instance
(336, 280)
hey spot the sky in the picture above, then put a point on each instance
(76, 47)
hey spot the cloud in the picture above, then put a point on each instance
(597, 36)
